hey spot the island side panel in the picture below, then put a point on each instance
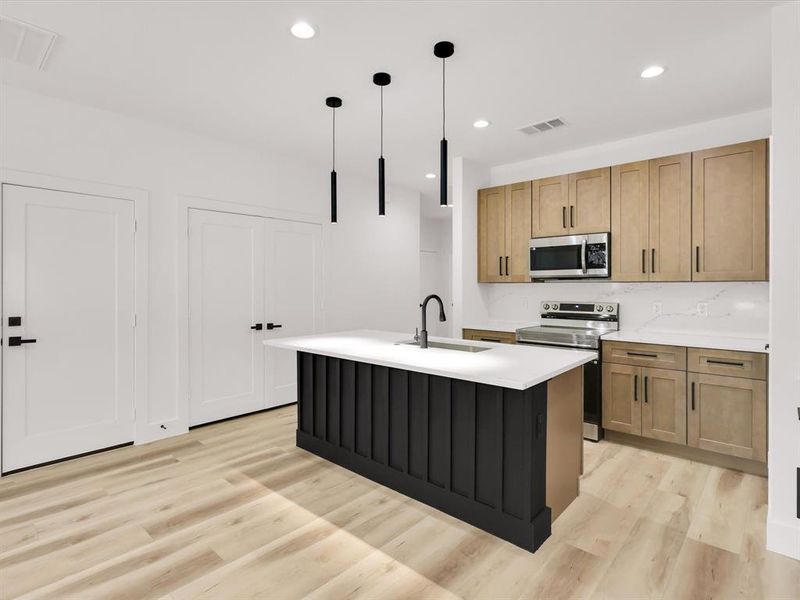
(475, 451)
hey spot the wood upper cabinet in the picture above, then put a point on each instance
(651, 220)
(728, 415)
(664, 406)
(550, 206)
(504, 231)
(729, 213)
(590, 201)
(622, 408)
(518, 231)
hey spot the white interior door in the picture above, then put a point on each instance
(294, 299)
(68, 274)
(226, 300)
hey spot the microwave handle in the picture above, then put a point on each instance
(583, 255)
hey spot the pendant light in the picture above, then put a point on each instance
(381, 80)
(333, 102)
(443, 50)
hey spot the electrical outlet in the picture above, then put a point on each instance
(657, 308)
(702, 309)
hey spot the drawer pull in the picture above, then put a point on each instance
(728, 363)
(498, 340)
(643, 354)
(693, 395)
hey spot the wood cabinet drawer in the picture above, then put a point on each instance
(645, 355)
(486, 335)
(752, 365)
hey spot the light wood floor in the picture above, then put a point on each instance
(234, 510)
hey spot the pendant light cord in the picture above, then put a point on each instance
(443, 93)
(334, 139)
(381, 121)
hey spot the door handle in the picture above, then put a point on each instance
(564, 217)
(506, 265)
(500, 265)
(653, 260)
(644, 260)
(16, 340)
(697, 259)
(635, 388)
(645, 389)
(274, 325)
(257, 327)
(693, 395)
(572, 216)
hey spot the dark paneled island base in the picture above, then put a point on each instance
(474, 451)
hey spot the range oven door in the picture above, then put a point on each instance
(570, 256)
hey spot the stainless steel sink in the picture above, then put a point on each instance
(447, 346)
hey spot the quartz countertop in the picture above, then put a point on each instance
(691, 340)
(505, 365)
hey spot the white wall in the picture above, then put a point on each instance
(435, 265)
(783, 525)
(371, 264)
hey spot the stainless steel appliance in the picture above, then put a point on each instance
(570, 256)
(578, 325)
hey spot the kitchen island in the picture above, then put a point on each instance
(492, 436)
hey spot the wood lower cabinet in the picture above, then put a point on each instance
(728, 415)
(622, 409)
(664, 407)
(504, 232)
(729, 213)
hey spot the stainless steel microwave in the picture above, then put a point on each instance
(571, 256)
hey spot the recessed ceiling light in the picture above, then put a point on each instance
(481, 123)
(652, 71)
(303, 30)
(430, 176)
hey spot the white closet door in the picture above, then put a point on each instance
(294, 299)
(68, 274)
(226, 301)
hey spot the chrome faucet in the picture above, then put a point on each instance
(423, 335)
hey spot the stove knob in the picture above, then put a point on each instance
(555, 306)
(598, 308)
(609, 308)
(546, 307)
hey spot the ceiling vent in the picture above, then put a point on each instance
(542, 127)
(25, 43)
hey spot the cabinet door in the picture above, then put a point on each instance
(491, 234)
(664, 406)
(550, 206)
(518, 231)
(728, 415)
(622, 410)
(630, 190)
(590, 201)
(671, 218)
(729, 213)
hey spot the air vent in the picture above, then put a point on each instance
(542, 127)
(24, 43)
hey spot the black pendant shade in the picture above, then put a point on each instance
(443, 50)
(333, 102)
(381, 80)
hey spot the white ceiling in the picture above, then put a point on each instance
(232, 70)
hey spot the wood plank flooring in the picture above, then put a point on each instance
(234, 510)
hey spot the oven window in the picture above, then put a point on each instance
(555, 258)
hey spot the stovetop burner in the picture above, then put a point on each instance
(572, 324)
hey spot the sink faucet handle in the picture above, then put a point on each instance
(416, 334)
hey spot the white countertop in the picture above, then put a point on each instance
(504, 326)
(692, 340)
(504, 365)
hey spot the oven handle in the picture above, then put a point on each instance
(583, 255)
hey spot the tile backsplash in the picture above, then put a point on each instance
(731, 308)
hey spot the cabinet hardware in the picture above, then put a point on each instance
(644, 259)
(635, 388)
(572, 216)
(693, 395)
(645, 389)
(500, 265)
(697, 259)
(16, 340)
(274, 325)
(564, 217)
(496, 340)
(729, 363)
(14, 321)
(642, 354)
(257, 327)
(653, 260)
(506, 266)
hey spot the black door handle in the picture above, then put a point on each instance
(572, 216)
(18, 341)
(645, 389)
(274, 325)
(635, 388)
(564, 217)
(257, 327)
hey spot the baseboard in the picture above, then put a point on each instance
(696, 454)
(784, 538)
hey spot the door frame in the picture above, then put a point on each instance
(186, 203)
(140, 199)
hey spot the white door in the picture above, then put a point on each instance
(294, 299)
(226, 302)
(68, 275)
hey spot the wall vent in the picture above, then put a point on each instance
(542, 126)
(24, 43)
